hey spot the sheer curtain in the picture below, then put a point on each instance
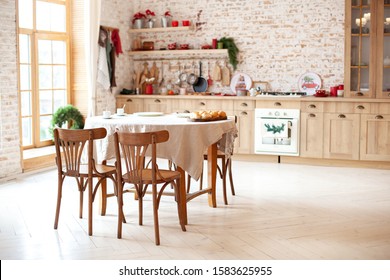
(92, 10)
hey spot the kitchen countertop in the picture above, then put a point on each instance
(263, 98)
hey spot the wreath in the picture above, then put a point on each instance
(68, 114)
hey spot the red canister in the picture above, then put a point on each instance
(149, 89)
(333, 91)
(214, 43)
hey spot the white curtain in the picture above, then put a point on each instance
(92, 10)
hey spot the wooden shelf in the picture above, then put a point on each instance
(160, 29)
(175, 54)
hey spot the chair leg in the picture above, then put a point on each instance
(223, 173)
(178, 199)
(121, 216)
(90, 208)
(229, 163)
(188, 183)
(81, 190)
(59, 196)
(155, 215)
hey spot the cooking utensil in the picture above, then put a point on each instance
(209, 80)
(216, 72)
(201, 85)
(225, 75)
(192, 79)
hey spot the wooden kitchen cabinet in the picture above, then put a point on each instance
(156, 104)
(367, 45)
(312, 130)
(244, 110)
(132, 104)
(375, 137)
(341, 136)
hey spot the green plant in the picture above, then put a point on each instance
(230, 45)
(69, 114)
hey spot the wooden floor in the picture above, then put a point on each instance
(280, 211)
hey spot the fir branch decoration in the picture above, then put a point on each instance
(274, 129)
(69, 114)
(230, 45)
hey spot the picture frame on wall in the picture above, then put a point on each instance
(261, 85)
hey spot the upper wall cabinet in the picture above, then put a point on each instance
(367, 48)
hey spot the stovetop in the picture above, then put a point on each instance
(281, 93)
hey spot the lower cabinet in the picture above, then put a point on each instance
(244, 110)
(330, 130)
(312, 130)
(375, 137)
(132, 105)
(157, 105)
(341, 136)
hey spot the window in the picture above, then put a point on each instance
(44, 77)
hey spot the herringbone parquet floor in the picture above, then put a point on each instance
(280, 211)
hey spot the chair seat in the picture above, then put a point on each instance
(162, 176)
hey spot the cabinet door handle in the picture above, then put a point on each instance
(359, 93)
(342, 116)
(278, 104)
(379, 117)
(186, 111)
(360, 107)
(244, 104)
(202, 103)
(129, 100)
(312, 106)
(312, 115)
(243, 113)
(157, 101)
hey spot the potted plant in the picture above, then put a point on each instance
(165, 20)
(138, 20)
(150, 18)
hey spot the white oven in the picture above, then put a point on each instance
(277, 131)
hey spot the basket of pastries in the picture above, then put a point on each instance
(207, 116)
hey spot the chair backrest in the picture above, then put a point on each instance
(70, 144)
(132, 147)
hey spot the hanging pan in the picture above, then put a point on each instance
(201, 84)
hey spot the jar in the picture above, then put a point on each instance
(340, 91)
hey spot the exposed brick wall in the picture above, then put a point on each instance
(278, 40)
(10, 163)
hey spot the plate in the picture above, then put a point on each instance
(309, 82)
(321, 95)
(208, 120)
(240, 81)
(183, 115)
(149, 114)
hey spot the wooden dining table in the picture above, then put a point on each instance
(188, 141)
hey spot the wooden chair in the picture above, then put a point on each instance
(224, 170)
(131, 148)
(70, 145)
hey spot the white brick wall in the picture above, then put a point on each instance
(10, 163)
(278, 39)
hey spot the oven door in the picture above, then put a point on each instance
(277, 136)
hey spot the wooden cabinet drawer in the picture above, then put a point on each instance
(201, 104)
(312, 107)
(380, 108)
(278, 104)
(240, 105)
(347, 107)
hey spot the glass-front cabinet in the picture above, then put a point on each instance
(367, 59)
(383, 69)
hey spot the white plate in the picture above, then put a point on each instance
(183, 115)
(240, 79)
(149, 114)
(309, 82)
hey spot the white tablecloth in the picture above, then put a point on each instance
(187, 142)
